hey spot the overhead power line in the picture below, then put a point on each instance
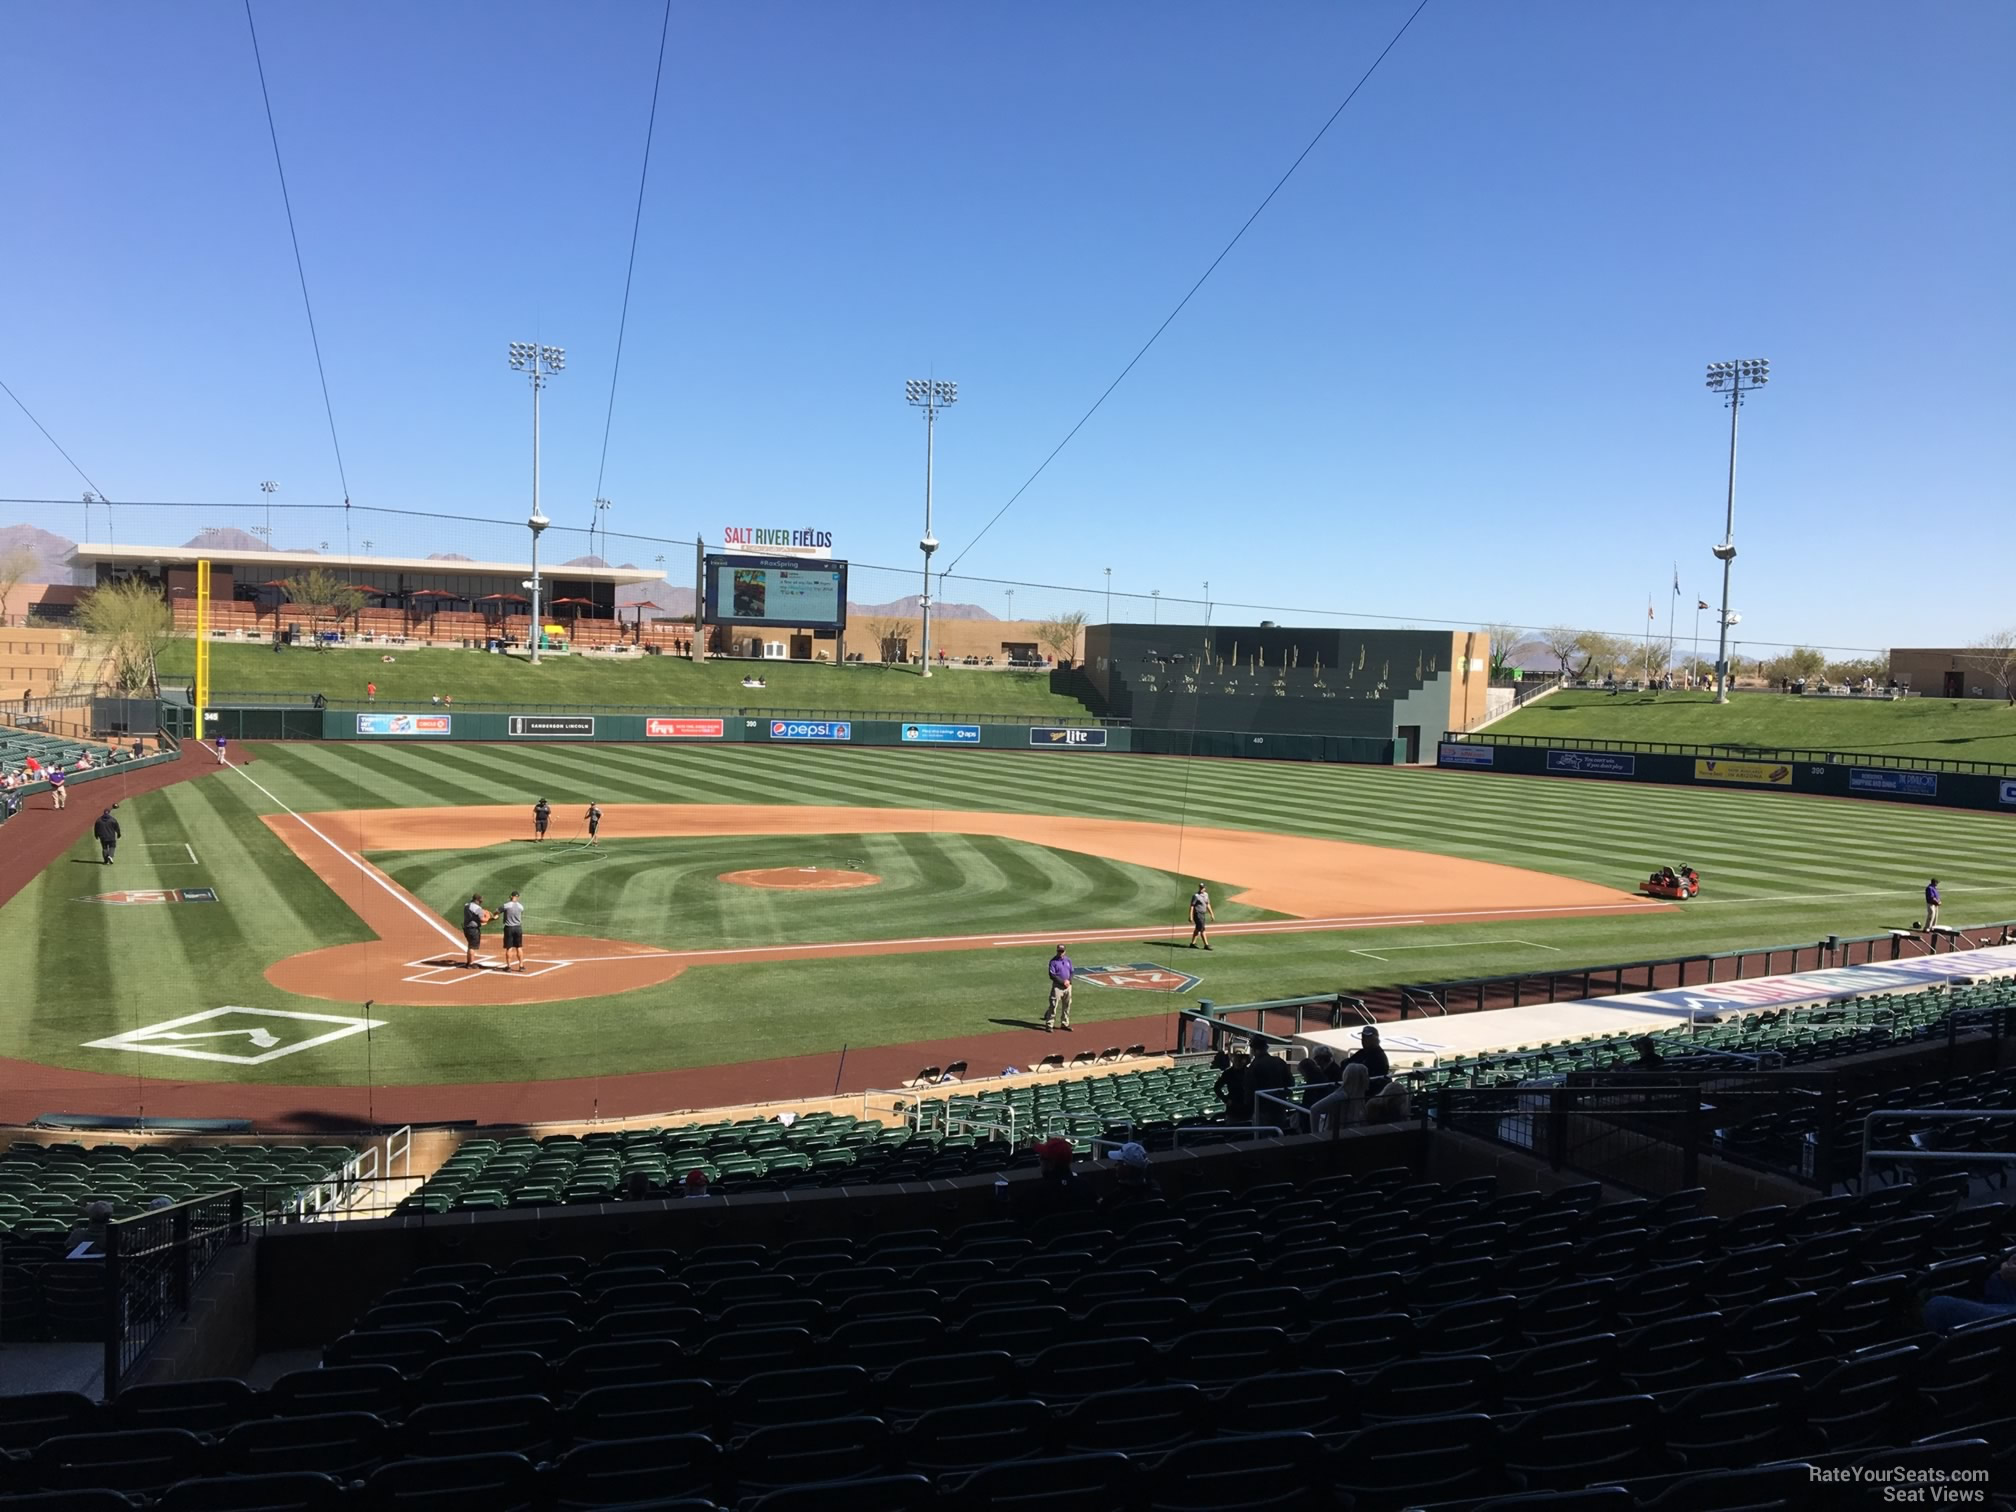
(636, 224)
(300, 269)
(55, 443)
(1214, 604)
(1170, 318)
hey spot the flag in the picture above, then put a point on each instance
(1676, 580)
(1650, 612)
(1701, 604)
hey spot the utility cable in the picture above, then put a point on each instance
(300, 269)
(630, 271)
(1170, 318)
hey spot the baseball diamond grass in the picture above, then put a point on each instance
(1778, 868)
(666, 892)
(414, 677)
(1950, 729)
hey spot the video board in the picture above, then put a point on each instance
(795, 593)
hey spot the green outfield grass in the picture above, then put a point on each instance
(1778, 869)
(1951, 729)
(414, 677)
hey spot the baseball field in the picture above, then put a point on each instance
(748, 904)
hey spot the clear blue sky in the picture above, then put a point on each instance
(1454, 372)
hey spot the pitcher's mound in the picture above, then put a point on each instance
(801, 878)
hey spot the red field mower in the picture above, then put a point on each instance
(1679, 884)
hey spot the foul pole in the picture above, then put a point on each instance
(200, 694)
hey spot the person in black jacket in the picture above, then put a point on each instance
(1372, 1057)
(1321, 1073)
(1234, 1086)
(1270, 1074)
(107, 831)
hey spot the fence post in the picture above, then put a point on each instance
(1558, 1104)
(1690, 1148)
(114, 1315)
(182, 1258)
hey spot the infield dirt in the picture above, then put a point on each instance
(1318, 884)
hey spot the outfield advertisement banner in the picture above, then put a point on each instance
(1875, 780)
(1592, 763)
(1763, 773)
(1454, 753)
(2009, 792)
(552, 726)
(931, 734)
(684, 729)
(1065, 737)
(405, 724)
(811, 729)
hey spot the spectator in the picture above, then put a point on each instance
(637, 1186)
(1234, 1086)
(1649, 1058)
(696, 1183)
(1057, 1189)
(1347, 1104)
(87, 1239)
(1271, 1074)
(1997, 1300)
(1132, 1180)
(1321, 1073)
(1372, 1056)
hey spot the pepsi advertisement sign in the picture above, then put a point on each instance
(811, 729)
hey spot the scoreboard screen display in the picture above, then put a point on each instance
(796, 593)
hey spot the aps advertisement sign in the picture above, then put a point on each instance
(1459, 753)
(940, 734)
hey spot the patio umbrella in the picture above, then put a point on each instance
(573, 603)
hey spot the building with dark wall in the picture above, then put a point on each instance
(1379, 685)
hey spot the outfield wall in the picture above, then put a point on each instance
(1836, 776)
(390, 725)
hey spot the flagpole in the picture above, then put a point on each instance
(1672, 612)
(1697, 635)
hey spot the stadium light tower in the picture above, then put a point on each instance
(269, 488)
(1732, 380)
(930, 395)
(538, 363)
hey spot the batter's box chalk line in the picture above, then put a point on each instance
(448, 972)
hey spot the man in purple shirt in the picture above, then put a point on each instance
(1932, 904)
(1060, 991)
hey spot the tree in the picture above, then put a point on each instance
(1563, 643)
(1801, 662)
(892, 638)
(1995, 659)
(318, 589)
(1855, 669)
(1601, 654)
(134, 622)
(1505, 639)
(15, 564)
(1060, 633)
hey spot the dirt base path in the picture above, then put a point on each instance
(1322, 884)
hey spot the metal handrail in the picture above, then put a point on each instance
(1747, 752)
(1213, 1128)
(1932, 1115)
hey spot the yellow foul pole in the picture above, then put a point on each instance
(200, 695)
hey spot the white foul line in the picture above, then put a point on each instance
(192, 853)
(405, 898)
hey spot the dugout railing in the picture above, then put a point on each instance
(1788, 755)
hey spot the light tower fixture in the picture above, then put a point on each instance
(538, 363)
(269, 488)
(930, 395)
(1732, 380)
